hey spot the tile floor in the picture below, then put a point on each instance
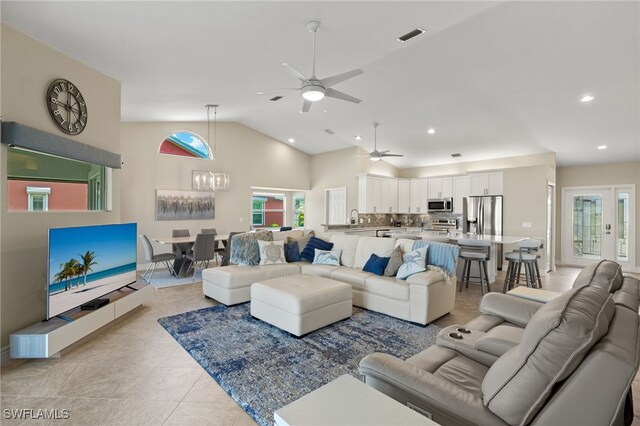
(133, 372)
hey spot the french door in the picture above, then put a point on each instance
(599, 223)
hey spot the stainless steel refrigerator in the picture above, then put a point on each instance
(483, 215)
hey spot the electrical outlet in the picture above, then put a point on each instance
(526, 224)
(368, 220)
(361, 220)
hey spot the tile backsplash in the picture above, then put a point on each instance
(406, 220)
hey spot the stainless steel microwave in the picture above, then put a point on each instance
(440, 205)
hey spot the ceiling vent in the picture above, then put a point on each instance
(408, 36)
(456, 155)
(330, 132)
(275, 98)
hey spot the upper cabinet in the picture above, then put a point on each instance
(418, 195)
(440, 187)
(377, 194)
(461, 190)
(404, 196)
(486, 183)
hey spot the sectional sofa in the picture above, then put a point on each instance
(570, 361)
(420, 298)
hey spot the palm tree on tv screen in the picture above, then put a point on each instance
(87, 263)
(69, 270)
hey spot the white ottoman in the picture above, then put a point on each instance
(301, 304)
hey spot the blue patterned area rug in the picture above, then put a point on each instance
(264, 368)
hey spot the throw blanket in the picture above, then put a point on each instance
(442, 255)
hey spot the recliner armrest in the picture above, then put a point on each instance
(510, 308)
(447, 402)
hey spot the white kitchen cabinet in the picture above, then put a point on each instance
(418, 195)
(377, 194)
(440, 187)
(486, 183)
(461, 190)
(404, 196)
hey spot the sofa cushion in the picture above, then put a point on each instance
(376, 264)
(319, 270)
(314, 243)
(271, 252)
(405, 244)
(355, 277)
(348, 244)
(283, 235)
(605, 274)
(370, 245)
(395, 261)
(326, 257)
(244, 247)
(236, 276)
(554, 343)
(389, 287)
(500, 339)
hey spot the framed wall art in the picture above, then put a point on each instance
(184, 205)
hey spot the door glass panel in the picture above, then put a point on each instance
(587, 226)
(622, 241)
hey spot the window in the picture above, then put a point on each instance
(38, 199)
(44, 182)
(268, 210)
(298, 211)
(186, 144)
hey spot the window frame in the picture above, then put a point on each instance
(263, 211)
(38, 191)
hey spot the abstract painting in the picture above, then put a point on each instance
(184, 205)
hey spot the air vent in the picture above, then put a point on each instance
(408, 36)
(275, 98)
(456, 155)
(330, 132)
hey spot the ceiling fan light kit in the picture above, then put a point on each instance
(314, 89)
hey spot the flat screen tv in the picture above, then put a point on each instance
(88, 262)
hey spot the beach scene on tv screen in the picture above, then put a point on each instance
(88, 262)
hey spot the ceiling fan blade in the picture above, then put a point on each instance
(391, 155)
(294, 72)
(306, 105)
(385, 151)
(265, 92)
(339, 78)
(332, 93)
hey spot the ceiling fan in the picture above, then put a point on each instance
(376, 155)
(314, 89)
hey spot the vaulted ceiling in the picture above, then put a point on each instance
(493, 79)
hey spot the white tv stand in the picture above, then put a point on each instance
(47, 338)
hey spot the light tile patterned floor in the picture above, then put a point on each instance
(133, 372)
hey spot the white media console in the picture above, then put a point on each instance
(47, 338)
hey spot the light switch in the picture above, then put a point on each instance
(241, 219)
(526, 224)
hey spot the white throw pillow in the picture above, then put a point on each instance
(414, 262)
(327, 257)
(271, 252)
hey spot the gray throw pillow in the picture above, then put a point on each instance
(395, 261)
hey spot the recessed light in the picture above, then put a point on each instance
(291, 140)
(431, 131)
(586, 98)
(358, 137)
(602, 147)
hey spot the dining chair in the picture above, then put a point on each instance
(226, 254)
(219, 249)
(202, 252)
(154, 259)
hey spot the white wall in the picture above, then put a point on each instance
(251, 158)
(27, 68)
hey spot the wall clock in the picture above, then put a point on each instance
(66, 106)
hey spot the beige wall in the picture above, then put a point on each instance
(252, 159)
(598, 174)
(338, 169)
(548, 159)
(27, 69)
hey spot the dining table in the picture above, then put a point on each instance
(181, 265)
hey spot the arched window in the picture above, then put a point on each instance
(186, 144)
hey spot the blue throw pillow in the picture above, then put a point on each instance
(376, 264)
(314, 243)
(291, 252)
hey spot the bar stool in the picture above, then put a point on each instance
(527, 255)
(475, 251)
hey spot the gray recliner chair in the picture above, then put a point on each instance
(570, 361)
